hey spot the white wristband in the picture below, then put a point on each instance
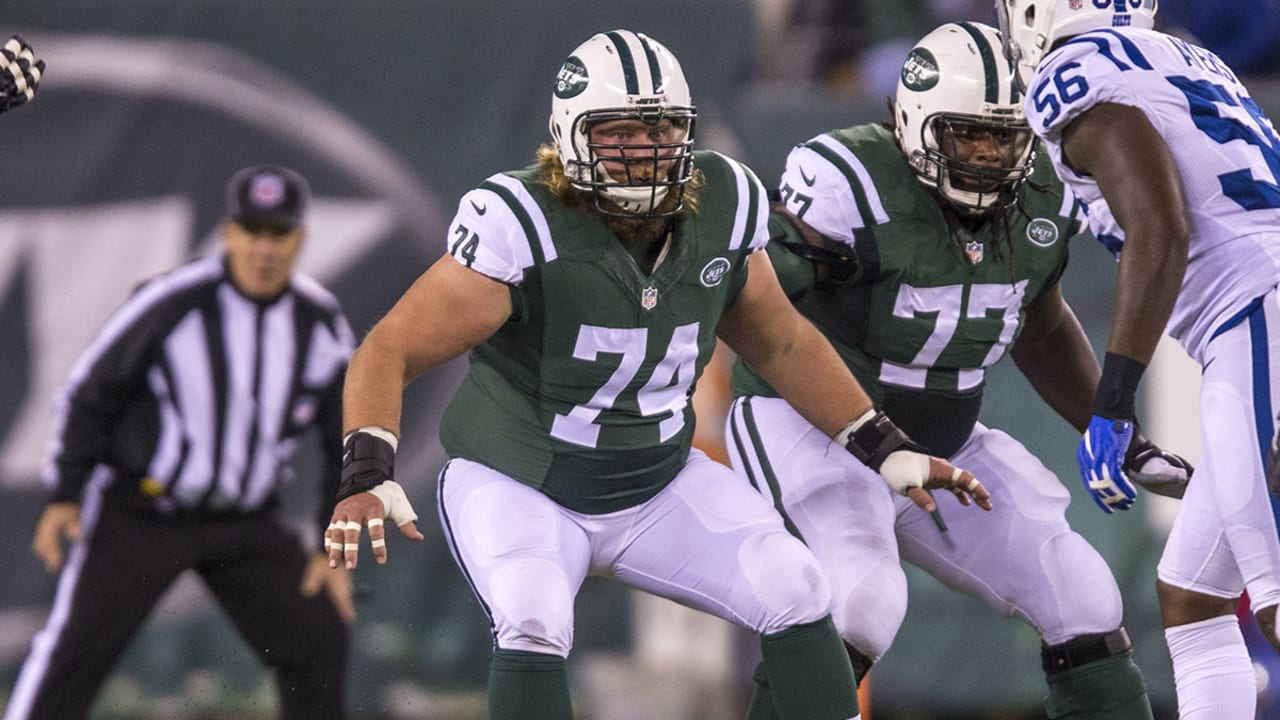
(842, 437)
(374, 430)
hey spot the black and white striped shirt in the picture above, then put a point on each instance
(193, 395)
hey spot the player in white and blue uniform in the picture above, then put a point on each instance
(1179, 169)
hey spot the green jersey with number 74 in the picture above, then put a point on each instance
(585, 392)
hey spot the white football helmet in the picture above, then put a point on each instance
(1031, 27)
(955, 86)
(623, 75)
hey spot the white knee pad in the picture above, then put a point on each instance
(532, 607)
(786, 579)
(869, 609)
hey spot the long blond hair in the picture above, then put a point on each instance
(551, 174)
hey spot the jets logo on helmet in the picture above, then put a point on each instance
(624, 75)
(572, 78)
(920, 71)
(956, 88)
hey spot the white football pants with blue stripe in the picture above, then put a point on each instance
(1224, 538)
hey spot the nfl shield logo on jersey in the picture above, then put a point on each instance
(973, 251)
(649, 298)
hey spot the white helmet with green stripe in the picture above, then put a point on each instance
(958, 117)
(621, 75)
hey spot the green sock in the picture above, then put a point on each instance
(528, 686)
(1107, 689)
(761, 707)
(809, 673)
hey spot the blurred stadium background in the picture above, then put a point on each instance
(393, 108)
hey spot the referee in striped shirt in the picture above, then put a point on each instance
(167, 454)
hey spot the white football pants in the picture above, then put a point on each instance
(1020, 558)
(707, 541)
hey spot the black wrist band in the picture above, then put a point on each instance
(1118, 387)
(367, 461)
(875, 439)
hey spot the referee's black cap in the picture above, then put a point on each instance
(267, 196)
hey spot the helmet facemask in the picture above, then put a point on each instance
(632, 179)
(976, 163)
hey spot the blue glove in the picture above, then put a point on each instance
(1101, 458)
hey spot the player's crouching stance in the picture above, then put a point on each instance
(902, 242)
(590, 290)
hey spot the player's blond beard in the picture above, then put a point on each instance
(633, 232)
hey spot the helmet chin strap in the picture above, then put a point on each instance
(634, 199)
(969, 202)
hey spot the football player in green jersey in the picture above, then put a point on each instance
(923, 251)
(590, 290)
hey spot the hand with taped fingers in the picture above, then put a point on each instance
(369, 509)
(905, 466)
(368, 495)
(938, 474)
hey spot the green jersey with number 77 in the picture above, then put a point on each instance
(926, 303)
